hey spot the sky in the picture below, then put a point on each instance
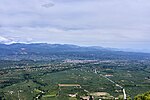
(107, 23)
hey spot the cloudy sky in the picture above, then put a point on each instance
(108, 23)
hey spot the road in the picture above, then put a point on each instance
(124, 93)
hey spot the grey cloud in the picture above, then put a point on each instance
(83, 22)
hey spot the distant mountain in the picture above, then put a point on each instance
(43, 51)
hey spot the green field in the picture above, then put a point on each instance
(41, 82)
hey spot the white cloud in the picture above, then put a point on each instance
(5, 40)
(114, 23)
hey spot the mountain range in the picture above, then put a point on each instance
(44, 51)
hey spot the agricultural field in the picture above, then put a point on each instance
(63, 80)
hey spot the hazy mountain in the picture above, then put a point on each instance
(43, 51)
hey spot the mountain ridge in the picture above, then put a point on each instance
(63, 51)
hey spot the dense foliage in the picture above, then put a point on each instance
(145, 96)
(33, 71)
